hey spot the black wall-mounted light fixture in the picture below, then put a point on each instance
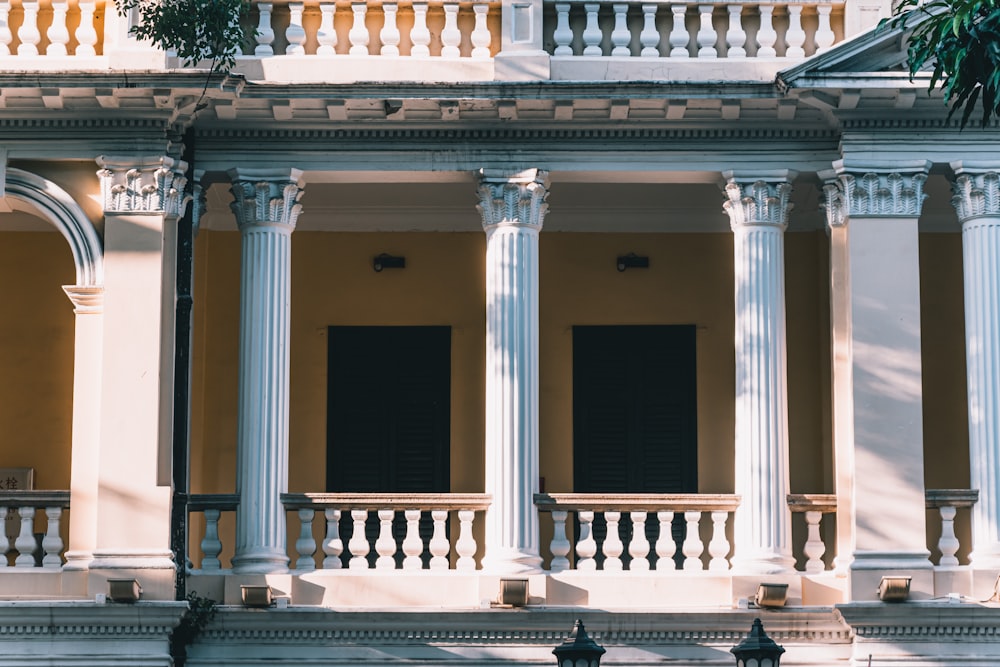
(579, 650)
(757, 650)
(387, 261)
(632, 261)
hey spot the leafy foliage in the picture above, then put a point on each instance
(960, 40)
(200, 613)
(196, 29)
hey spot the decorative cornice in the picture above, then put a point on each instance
(757, 202)
(267, 197)
(976, 192)
(143, 185)
(873, 192)
(87, 299)
(513, 198)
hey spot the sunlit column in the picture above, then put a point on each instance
(266, 208)
(513, 207)
(977, 202)
(880, 284)
(758, 212)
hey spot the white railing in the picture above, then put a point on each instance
(622, 522)
(211, 507)
(28, 506)
(948, 502)
(681, 30)
(411, 532)
(813, 506)
(49, 27)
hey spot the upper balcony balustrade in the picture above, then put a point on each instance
(450, 40)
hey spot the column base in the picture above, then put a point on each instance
(262, 561)
(511, 562)
(152, 568)
(77, 561)
(764, 562)
(987, 558)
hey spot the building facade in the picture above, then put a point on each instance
(637, 306)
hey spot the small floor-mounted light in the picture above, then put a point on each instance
(771, 595)
(894, 589)
(632, 261)
(757, 650)
(387, 261)
(256, 595)
(124, 590)
(578, 650)
(513, 592)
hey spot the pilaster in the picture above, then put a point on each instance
(758, 212)
(266, 209)
(878, 388)
(512, 206)
(977, 202)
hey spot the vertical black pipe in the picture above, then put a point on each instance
(182, 381)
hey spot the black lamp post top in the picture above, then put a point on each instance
(578, 645)
(757, 645)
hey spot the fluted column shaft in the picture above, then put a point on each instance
(512, 206)
(977, 202)
(758, 212)
(266, 211)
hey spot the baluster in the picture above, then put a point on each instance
(638, 548)
(333, 546)
(481, 37)
(86, 34)
(650, 36)
(6, 37)
(327, 34)
(466, 543)
(766, 36)
(814, 548)
(451, 36)
(678, 33)
(52, 544)
(613, 546)
(439, 542)
(620, 36)
(4, 540)
(211, 545)
(389, 35)
(305, 546)
(665, 547)
(592, 33)
(385, 545)
(718, 546)
(586, 547)
(413, 546)
(563, 35)
(736, 36)
(693, 546)
(295, 34)
(57, 33)
(795, 37)
(706, 36)
(358, 543)
(560, 545)
(265, 33)
(28, 32)
(420, 36)
(359, 31)
(25, 542)
(824, 33)
(948, 544)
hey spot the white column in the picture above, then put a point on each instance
(143, 198)
(512, 205)
(758, 213)
(88, 305)
(977, 202)
(880, 288)
(266, 208)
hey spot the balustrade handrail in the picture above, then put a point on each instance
(226, 502)
(937, 498)
(599, 502)
(812, 502)
(11, 499)
(387, 501)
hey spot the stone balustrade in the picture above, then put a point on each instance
(641, 526)
(947, 502)
(812, 506)
(211, 507)
(29, 507)
(50, 28)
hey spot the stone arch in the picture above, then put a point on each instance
(33, 194)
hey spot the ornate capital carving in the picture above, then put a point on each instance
(513, 198)
(833, 203)
(976, 192)
(266, 197)
(143, 185)
(199, 201)
(87, 299)
(877, 192)
(757, 202)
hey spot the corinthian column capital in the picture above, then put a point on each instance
(513, 198)
(144, 184)
(896, 191)
(758, 200)
(976, 190)
(266, 197)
